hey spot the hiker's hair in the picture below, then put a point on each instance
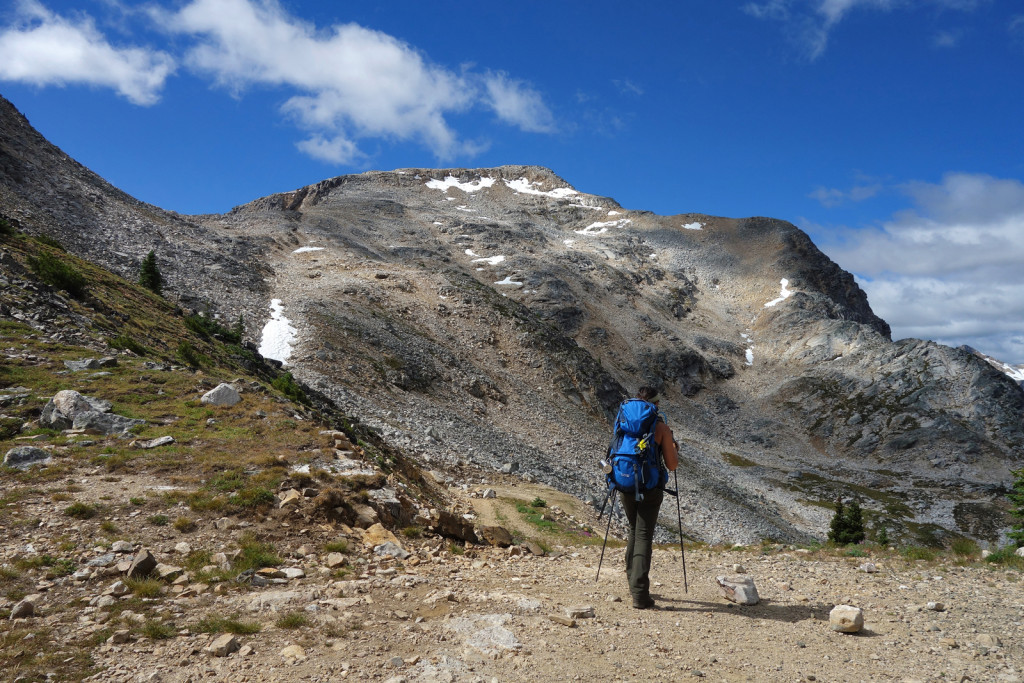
(647, 393)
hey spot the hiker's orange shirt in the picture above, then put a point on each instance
(663, 437)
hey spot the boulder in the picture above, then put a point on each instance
(534, 548)
(23, 610)
(61, 410)
(496, 535)
(846, 619)
(95, 422)
(90, 364)
(738, 589)
(24, 457)
(223, 395)
(452, 525)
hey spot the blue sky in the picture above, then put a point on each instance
(890, 130)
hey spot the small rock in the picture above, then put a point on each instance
(293, 652)
(293, 573)
(142, 565)
(377, 535)
(120, 637)
(935, 607)
(580, 612)
(335, 560)
(224, 524)
(846, 619)
(989, 640)
(1019, 552)
(246, 650)
(183, 548)
(564, 621)
(122, 547)
(167, 572)
(490, 493)
(391, 549)
(869, 568)
(155, 443)
(291, 497)
(223, 645)
(738, 569)
(534, 548)
(738, 589)
(23, 610)
(224, 395)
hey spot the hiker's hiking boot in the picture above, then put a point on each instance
(644, 603)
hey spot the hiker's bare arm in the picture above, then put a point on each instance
(663, 437)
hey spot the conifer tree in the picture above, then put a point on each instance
(149, 274)
(847, 524)
(1016, 497)
(854, 522)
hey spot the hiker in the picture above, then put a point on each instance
(642, 506)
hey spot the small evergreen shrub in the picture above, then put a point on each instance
(149, 274)
(286, 384)
(6, 228)
(122, 341)
(187, 354)
(53, 271)
(50, 242)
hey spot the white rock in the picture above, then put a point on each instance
(293, 573)
(846, 619)
(1019, 552)
(223, 395)
(223, 645)
(183, 548)
(936, 607)
(122, 547)
(738, 589)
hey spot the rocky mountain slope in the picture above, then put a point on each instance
(494, 317)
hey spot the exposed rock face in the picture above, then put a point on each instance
(498, 316)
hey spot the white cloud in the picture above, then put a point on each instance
(809, 23)
(830, 196)
(952, 268)
(42, 48)
(352, 82)
(515, 102)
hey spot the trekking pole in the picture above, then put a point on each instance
(611, 513)
(679, 517)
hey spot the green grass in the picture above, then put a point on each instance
(338, 546)
(255, 554)
(80, 510)
(158, 630)
(144, 588)
(292, 620)
(157, 520)
(55, 271)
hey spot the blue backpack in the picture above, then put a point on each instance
(634, 457)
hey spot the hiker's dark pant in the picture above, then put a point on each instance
(643, 517)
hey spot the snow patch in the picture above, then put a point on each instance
(490, 260)
(600, 228)
(463, 207)
(750, 356)
(470, 252)
(278, 334)
(509, 281)
(524, 186)
(568, 243)
(693, 226)
(303, 250)
(452, 181)
(1016, 374)
(614, 213)
(783, 295)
